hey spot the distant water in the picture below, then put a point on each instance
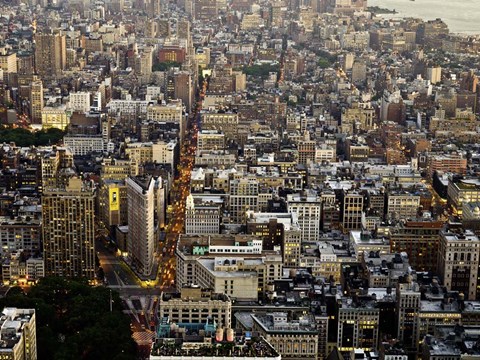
(461, 16)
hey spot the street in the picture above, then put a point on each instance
(140, 299)
(179, 192)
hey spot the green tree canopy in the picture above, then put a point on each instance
(163, 66)
(24, 137)
(262, 70)
(74, 320)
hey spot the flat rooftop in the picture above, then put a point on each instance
(255, 349)
(268, 323)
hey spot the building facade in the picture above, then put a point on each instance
(69, 230)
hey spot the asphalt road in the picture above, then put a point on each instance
(116, 271)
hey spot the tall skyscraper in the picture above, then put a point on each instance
(153, 8)
(8, 63)
(50, 54)
(352, 211)
(205, 9)
(144, 199)
(68, 230)
(184, 88)
(56, 168)
(143, 65)
(308, 209)
(408, 307)
(36, 101)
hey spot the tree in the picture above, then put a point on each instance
(165, 65)
(24, 137)
(324, 63)
(262, 70)
(74, 320)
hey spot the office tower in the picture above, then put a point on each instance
(462, 190)
(144, 198)
(201, 218)
(56, 168)
(408, 308)
(348, 60)
(151, 28)
(458, 261)
(243, 197)
(93, 44)
(277, 14)
(434, 74)
(36, 101)
(55, 117)
(448, 163)
(302, 334)
(25, 64)
(308, 208)
(431, 33)
(202, 56)
(112, 198)
(184, 88)
(357, 325)
(18, 334)
(210, 140)
(352, 211)
(227, 122)
(80, 101)
(69, 231)
(205, 9)
(278, 230)
(306, 152)
(117, 6)
(153, 8)
(419, 239)
(8, 63)
(359, 117)
(115, 169)
(402, 205)
(20, 233)
(143, 65)
(356, 151)
(163, 28)
(359, 72)
(194, 305)
(50, 54)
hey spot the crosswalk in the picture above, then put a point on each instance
(142, 309)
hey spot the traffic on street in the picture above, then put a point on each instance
(178, 195)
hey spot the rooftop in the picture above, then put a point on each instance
(12, 321)
(460, 235)
(255, 348)
(280, 323)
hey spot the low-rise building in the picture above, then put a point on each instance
(219, 262)
(357, 325)
(195, 348)
(293, 339)
(18, 334)
(459, 260)
(20, 233)
(194, 305)
(81, 145)
(18, 268)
